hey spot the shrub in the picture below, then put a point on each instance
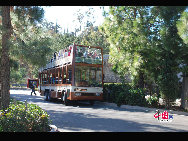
(153, 101)
(112, 91)
(124, 94)
(21, 117)
(136, 96)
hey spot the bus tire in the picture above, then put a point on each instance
(63, 97)
(46, 95)
(49, 96)
(66, 101)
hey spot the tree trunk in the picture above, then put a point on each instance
(184, 95)
(5, 65)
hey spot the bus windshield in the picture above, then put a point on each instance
(88, 55)
(88, 76)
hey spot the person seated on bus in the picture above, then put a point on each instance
(66, 53)
(60, 79)
(85, 54)
(53, 80)
(80, 54)
(64, 80)
(95, 54)
(59, 55)
(90, 55)
(100, 56)
(62, 53)
(56, 80)
(54, 55)
(69, 53)
(50, 80)
(70, 48)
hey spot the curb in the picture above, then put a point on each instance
(140, 108)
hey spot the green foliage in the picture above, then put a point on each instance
(124, 94)
(171, 45)
(16, 76)
(144, 44)
(153, 101)
(31, 46)
(31, 43)
(125, 29)
(35, 14)
(182, 26)
(92, 36)
(110, 90)
(21, 118)
(136, 96)
(61, 41)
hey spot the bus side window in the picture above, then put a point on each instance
(50, 77)
(60, 75)
(69, 76)
(64, 75)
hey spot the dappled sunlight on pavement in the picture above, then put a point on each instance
(82, 117)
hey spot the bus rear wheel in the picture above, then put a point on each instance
(48, 96)
(64, 99)
(46, 93)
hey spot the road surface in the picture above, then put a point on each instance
(82, 117)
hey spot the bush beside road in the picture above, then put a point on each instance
(23, 117)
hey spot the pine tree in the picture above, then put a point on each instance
(144, 44)
(5, 63)
(35, 14)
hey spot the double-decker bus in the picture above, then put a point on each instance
(73, 74)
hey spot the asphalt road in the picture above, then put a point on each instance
(82, 117)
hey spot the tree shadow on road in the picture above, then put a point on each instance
(72, 121)
(68, 118)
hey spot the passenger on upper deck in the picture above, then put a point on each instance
(54, 55)
(66, 53)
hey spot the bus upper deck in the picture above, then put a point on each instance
(83, 54)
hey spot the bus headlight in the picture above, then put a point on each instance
(77, 94)
(98, 94)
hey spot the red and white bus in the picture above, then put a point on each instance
(74, 73)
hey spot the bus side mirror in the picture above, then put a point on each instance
(103, 76)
